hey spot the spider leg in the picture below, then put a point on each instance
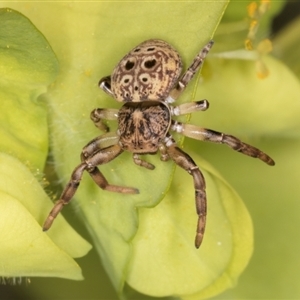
(190, 72)
(66, 195)
(204, 134)
(187, 108)
(100, 142)
(184, 161)
(98, 114)
(100, 157)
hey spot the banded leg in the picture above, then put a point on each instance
(187, 108)
(184, 161)
(66, 195)
(234, 143)
(101, 157)
(98, 114)
(90, 164)
(101, 181)
(190, 72)
(100, 142)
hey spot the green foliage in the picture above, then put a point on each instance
(145, 240)
(25, 249)
(25, 74)
(27, 66)
(112, 219)
(162, 249)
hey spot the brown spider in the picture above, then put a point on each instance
(147, 80)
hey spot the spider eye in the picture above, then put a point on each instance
(150, 63)
(150, 49)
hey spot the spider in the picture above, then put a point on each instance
(147, 80)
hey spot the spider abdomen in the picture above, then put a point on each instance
(143, 125)
(147, 72)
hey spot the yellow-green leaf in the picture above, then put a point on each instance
(94, 38)
(247, 105)
(27, 66)
(26, 56)
(163, 253)
(27, 251)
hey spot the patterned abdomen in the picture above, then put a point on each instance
(148, 72)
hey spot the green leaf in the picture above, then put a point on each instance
(107, 32)
(27, 66)
(25, 249)
(89, 39)
(163, 256)
(26, 56)
(271, 196)
(243, 102)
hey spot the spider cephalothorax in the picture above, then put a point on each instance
(148, 79)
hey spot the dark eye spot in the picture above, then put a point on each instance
(144, 79)
(137, 50)
(151, 49)
(150, 63)
(126, 80)
(136, 88)
(129, 65)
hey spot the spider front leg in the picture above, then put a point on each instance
(92, 155)
(184, 161)
(100, 142)
(89, 164)
(101, 157)
(66, 195)
(234, 143)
